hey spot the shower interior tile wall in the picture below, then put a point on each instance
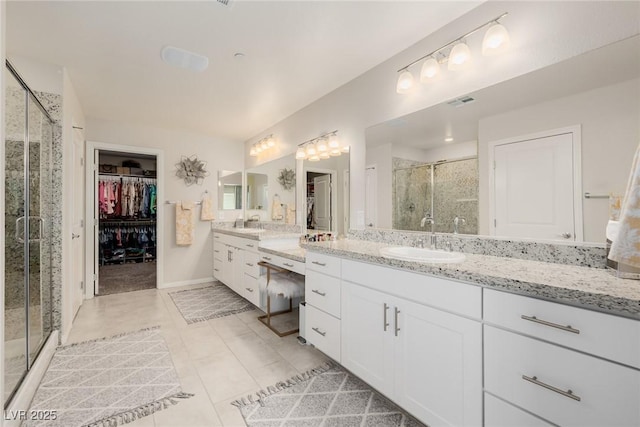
(454, 192)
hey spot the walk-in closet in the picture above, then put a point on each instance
(126, 202)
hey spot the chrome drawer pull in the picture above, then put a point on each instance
(534, 319)
(567, 393)
(249, 246)
(249, 289)
(322, 294)
(321, 264)
(386, 324)
(396, 319)
(249, 264)
(288, 265)
(267, 258)
(318, 331)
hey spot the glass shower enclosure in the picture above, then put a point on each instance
(28, 219)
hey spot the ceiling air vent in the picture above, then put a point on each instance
(226, 3)
(458, 102)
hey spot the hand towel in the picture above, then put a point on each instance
(184, 223)
(206, 213)
(613, 228)
(277, 214)
(615, 203)
(626, 248)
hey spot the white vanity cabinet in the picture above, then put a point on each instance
(235, 263)
(427, 358)
(568, 366)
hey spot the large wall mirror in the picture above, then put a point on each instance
(229, 190)
(326, 204)
(533, 157)
(271, 191)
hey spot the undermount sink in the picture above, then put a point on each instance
(408, 253)
(249, 230)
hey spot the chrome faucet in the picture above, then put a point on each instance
(457, 222)
(419, 243)
(433, 239)
(427, 219)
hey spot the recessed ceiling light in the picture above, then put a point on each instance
(184, 59)
(448, 139)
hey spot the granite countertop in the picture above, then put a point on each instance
(295, 254)
(592, 288)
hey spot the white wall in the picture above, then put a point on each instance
(542, 33)
(610, 125)
(72, 115)
(182, 264)
(40, 76)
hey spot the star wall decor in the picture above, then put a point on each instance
(287, 178)
(191, 170)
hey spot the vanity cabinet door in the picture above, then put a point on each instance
(367, 335)
(438, 365)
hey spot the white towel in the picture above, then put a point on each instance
(625, 249)
(206, 213)
(184, 223)
(613, 228)
(288, 284)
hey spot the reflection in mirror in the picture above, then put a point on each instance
(594, 98)
(257, 191)
(327, 194)
(267, 198)
(229, 190)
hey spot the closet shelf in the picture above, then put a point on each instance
(124, 175)
(127, 221)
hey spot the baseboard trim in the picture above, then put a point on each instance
(186, 282)
(23, 397)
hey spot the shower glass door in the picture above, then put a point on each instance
(27, 252)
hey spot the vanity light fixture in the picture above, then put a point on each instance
(262, 145)
(496, 40)
(322, 147)
(448, 139)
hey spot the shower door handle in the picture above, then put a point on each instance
(18, 238)
(40, 227)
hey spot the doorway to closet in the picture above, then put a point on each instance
(126, 206)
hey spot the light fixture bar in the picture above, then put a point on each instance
(302, 144)
(475, 30)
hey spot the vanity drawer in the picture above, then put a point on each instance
(250, 264)
(609, 393)
(219, 251)
(283, 262)
(323, 331)
(251, 289)
(323, 263)
(605, 335)
(498, 413)
(249, 245)
(323, 292)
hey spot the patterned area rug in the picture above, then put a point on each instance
(198, 305)
(327, 396)
(107, 382)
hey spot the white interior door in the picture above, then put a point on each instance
(322, 201)
(77, 237)
(371, 196)
(534, 188)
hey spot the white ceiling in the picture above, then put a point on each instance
(296, 52)
(426, 129)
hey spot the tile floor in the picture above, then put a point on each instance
(219, 360)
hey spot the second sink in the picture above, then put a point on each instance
(408, 253)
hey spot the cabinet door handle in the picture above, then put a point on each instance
(386, 323)
(249, 289)
(319, 331)
(315, 291)
(266, 258)
(567, 328)
(396, 320)
(287, 264)
(321, 264)
(248, 245)
(536, 381)
(249, 264)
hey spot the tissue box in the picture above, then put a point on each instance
(620, 270)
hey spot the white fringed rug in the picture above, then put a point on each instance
(325, 396)
(108, 382)
(210, 302)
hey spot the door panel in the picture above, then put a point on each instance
(77, 237)
(534, 188)
(322, 208)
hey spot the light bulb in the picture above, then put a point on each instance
(271, 142)
(314, 158)
(430, 69)
(345, 149)
(334, 142)
(335, 151)
(300, 153)
(405, 82)
(321, 146)
(253, 151)
(324, 155)
(258, 148)
(311, 150)
(264, 145)
(459, 57)
(496, 40)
